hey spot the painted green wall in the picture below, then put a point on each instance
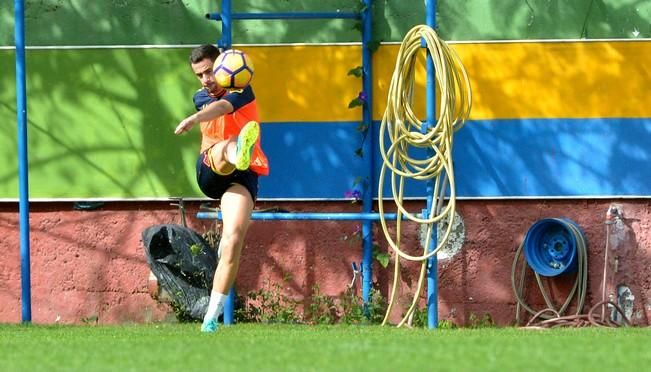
(101, 124)
(83, 22)
(115, 22)
(544, 19)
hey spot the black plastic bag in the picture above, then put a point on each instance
(184, 265)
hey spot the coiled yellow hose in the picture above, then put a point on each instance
(404, 131)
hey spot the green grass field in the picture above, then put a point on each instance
(248, 347)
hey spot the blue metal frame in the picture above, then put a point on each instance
(304, 216)
(226, 16)
(284, 15)
(23, 203)
(367, 149)
(227, 30)
(432, 263)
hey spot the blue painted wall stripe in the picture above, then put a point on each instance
(493, 158)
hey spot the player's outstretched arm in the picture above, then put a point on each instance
(211, 111)
(186, 124)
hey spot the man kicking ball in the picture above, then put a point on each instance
(228, 166)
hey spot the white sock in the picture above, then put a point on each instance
(215, 306)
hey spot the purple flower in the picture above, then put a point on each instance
(355, 194)
(362, 96)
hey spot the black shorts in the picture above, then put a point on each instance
(214, 185)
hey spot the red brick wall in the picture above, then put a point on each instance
(91, 264)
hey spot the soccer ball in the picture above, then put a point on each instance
(233, 69)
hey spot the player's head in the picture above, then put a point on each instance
(204, 51)
(201, 61)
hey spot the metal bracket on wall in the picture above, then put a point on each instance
(181, 206)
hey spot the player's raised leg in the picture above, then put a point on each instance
(245, 142)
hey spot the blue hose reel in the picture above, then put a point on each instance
(550, 246)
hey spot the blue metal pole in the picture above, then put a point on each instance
(367, 149)
(226, 40)
(229, 307)
(23, 186)
(285, 15)
(316, 216)
(432, 263)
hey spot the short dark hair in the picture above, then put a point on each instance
(204, 51)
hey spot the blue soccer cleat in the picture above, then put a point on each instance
(209, 326)
(245, 141)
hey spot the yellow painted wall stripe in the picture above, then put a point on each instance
(559, 80)
(608, 79)
(306, 83)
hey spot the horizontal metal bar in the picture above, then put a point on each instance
(384, 43)
(268, 216)
(292, 15)
(296, 200)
